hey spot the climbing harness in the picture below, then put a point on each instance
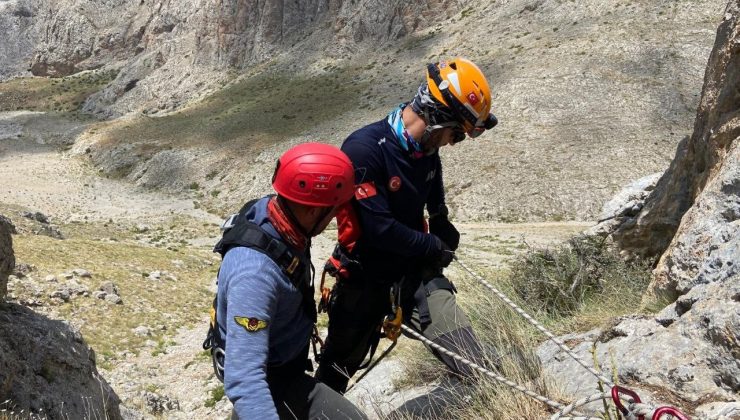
(238, 231)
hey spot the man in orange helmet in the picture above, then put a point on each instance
(385, 248)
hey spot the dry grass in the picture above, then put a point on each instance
(561, 280)
(163, 305)
(244, 117)
(64, 94)
(515, 340)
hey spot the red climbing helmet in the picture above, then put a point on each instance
(314, 174)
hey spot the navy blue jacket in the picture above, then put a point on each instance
(394, 189)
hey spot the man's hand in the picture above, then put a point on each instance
(444, 255)
(441, 227)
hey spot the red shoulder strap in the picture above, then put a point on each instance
(348, 226)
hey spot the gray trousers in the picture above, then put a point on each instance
(360, 307)
(303, 397)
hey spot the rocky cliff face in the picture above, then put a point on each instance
(692, 219)
(48, 369)
(691, 216)
(19, 37)
(172, 52)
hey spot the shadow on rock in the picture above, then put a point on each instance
(46, 368)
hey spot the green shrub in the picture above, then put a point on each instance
(217, 394)
(560, 281)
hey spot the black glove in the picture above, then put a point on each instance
(443, 255)
(440, 226)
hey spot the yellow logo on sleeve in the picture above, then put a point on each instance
(250, 324)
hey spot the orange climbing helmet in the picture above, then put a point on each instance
(461, 86)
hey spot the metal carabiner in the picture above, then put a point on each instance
(616, 390)
(659, 412)
(392, 322)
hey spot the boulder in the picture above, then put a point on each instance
(689, 351)
(625, 206)
(48, 368)
(7, 257)
(37, 216)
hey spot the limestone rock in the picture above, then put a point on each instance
(47, 366)
(691, 216)
(151, 42)
(50, 231)
(19, 37)
(22, 269)
(719, 411)
(37, 216)
(158, 404)
(142, 331)
(7, 257)
(114, 299)
(695, 357)
(108, 287)
(624, 207)
(81, 272)
(690, 348)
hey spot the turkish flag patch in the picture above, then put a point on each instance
(472, 98)
(394, 184)
(365, 190)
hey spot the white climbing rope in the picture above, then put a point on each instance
(635, 409)
(553, 404)
(537, 325)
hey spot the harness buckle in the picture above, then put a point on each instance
(229, 222)
(392, 322)
(218, 355)
(293, 265)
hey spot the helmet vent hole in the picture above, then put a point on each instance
(453, 66)
(302, 184)
(339, 185)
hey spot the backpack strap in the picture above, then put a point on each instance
(247, 234)
(238, 231)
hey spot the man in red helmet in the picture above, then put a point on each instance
(384, 242)
(265, 309)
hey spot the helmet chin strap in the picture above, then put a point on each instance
(293, 219)
(318, 222)
(426, 137)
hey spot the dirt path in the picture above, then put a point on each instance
(37, 175)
